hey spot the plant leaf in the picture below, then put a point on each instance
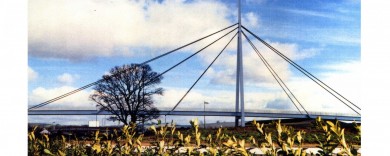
(47, 152)
(61, 153)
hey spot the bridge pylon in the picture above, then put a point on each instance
(239, 74)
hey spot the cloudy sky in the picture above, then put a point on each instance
(73, 43)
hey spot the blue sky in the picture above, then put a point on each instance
(73, 43)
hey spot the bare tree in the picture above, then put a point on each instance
(127, 92)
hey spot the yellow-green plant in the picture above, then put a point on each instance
(335, 137)
(131, 142)
(166, 145)
(268, 145)
(219, 138)
(216, 143)
(274, 139)
(195, 126)
(286, 138)
(235, 147)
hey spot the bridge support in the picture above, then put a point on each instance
(239, 74)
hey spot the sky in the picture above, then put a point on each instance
(73, 43)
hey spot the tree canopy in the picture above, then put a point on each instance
(127, 92)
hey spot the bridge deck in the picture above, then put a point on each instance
(206, 113)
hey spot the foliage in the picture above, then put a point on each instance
(335, 137)
(127, 92)
(274, 139)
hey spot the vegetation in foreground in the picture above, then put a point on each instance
(277, 139)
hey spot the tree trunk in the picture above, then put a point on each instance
(124, 122)
(133, 118)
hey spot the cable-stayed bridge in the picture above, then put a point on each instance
(212, 112)
(239, 112)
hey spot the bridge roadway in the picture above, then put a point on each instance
(262, 113)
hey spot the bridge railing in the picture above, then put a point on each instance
(270, 111)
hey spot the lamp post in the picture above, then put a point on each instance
(204, 114)
(96, 119)
(96, 116)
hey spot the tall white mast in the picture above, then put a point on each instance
(240, 77)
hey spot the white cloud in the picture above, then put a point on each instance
(79, 100)
(342, 77)
(194, 100)
(344, 38)
(311, 13)
(255, 72)
(250, 20)
(32, 75)
(347, 66)
(85, 29)
(67, 78)
(221, 100)
(345, 78)
(280, 104)
(256, 1)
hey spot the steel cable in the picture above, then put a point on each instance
(96, 82)
(276, 76)
(308, 74)
(202, 75)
